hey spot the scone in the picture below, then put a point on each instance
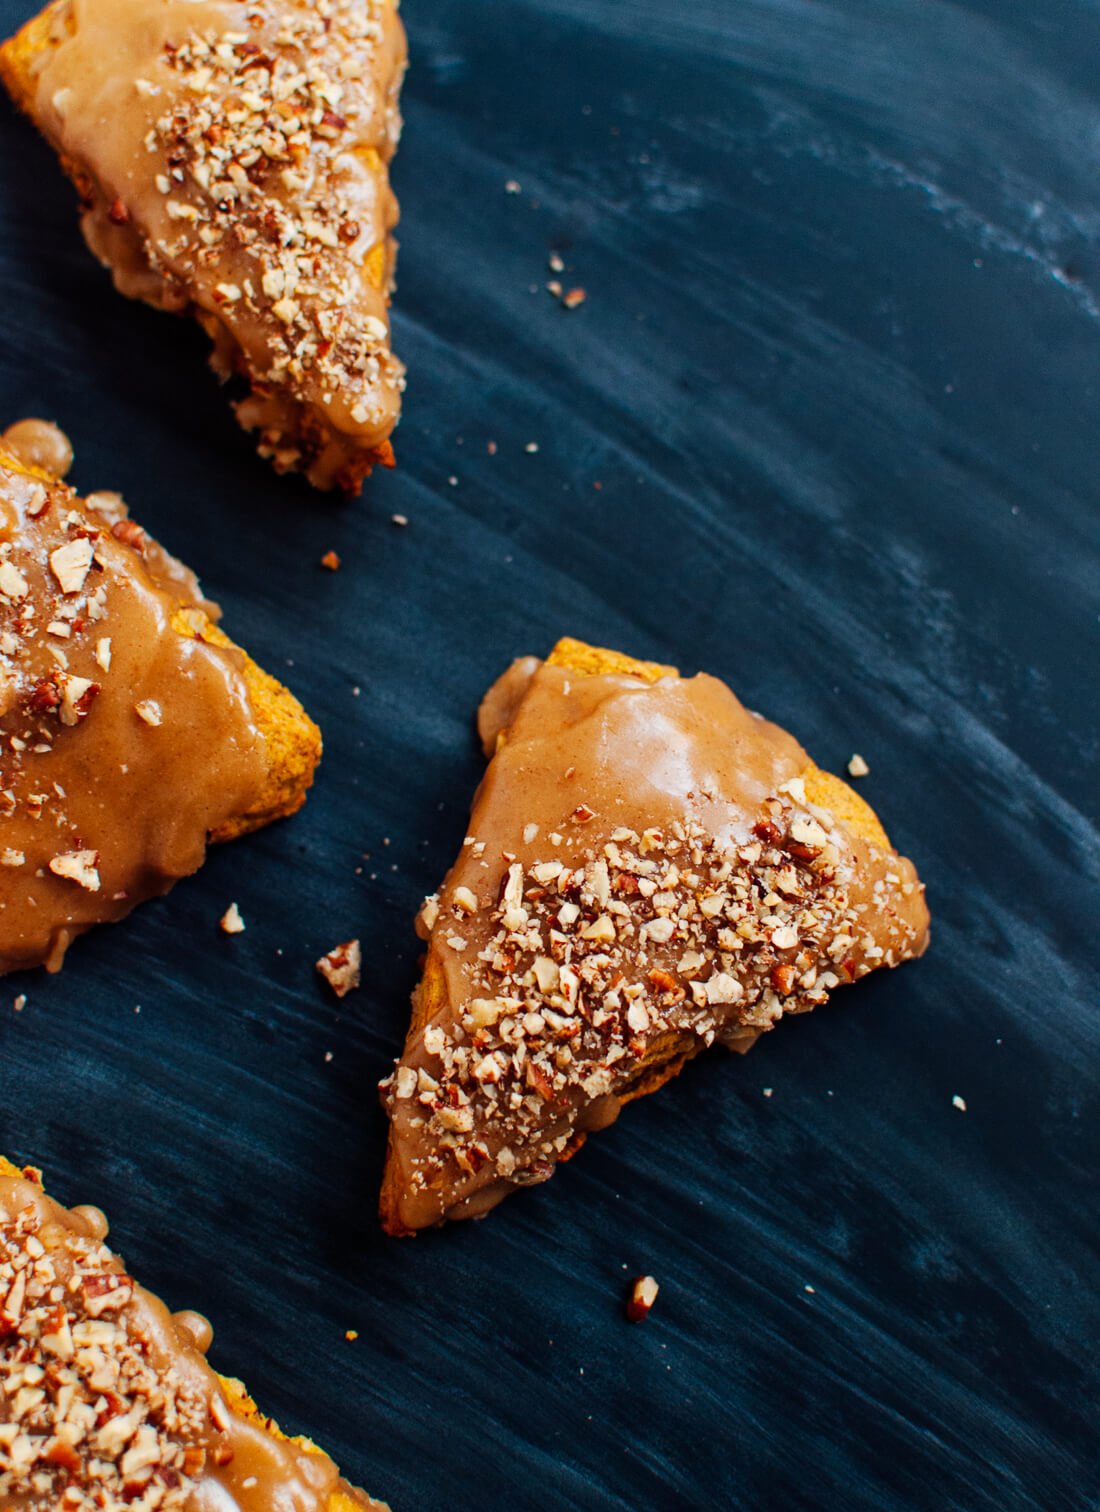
(132, 730)
(106, 1399)
(649, 868)
(232, 159)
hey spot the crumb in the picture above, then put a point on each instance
(399, 519)
(231, 921)
(554, 288)
(768, 1091)
(341, 967)
(513, 186)
(857, 767)
(556, 263)
(331, 561)
(453, 481)
(351, 1335)
(491, 448)
(149, 710)
(532, 447)
(20, 1002)
(643, 1294)
(574, 298)
(959, 1102)
(811, 1290)
(328, 1056)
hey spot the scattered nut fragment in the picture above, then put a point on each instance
(70, 563)
(12, 582)
(231, 921)
(399, 519)
(149, 710)
(79, 867)
(643, 1294)
(857, 767)
(351, 1334)
(20, 1002)
(574, 297)
(959, 1103)
(331, 561)
(341, 967)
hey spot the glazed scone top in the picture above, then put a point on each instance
(645, 871)
(125, 738)
(237, 154)
(107, 1403)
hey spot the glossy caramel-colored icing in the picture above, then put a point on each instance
(233, 159)
(107, 1401)
(126, 737)
(649, 867)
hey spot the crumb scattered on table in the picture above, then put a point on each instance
(643, 1294)
(341, 968)
(857, 767)
(231, 921)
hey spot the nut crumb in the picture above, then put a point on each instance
(351, 1335)
(331, 561)
(79, 867)
(857, 767)
(20, 1002)
(149, 710)
(399, 519)
(341, 967)
(513, 186)
(643, 1294)
(573, 298)
(231, 921)
(959, 1102)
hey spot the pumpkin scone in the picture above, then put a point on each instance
(232, 159)
(132, 730)
(106, 1398)
(649, 868)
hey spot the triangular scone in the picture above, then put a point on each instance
(649, 868)
(132, 730)
(106, 1398)
(233, 161)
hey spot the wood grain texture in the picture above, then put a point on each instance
(837, 376)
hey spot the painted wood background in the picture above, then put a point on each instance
(827, 426)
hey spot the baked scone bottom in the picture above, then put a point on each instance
(232, 158)
(106, 1399)
(132, 730)
(649, 868)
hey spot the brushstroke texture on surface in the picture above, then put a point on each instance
(836, 375)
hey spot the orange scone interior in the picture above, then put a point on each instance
(232, 158)
(107, 1401)
(648, 868)
(132, 730)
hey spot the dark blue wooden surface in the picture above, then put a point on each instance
(837, 376)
